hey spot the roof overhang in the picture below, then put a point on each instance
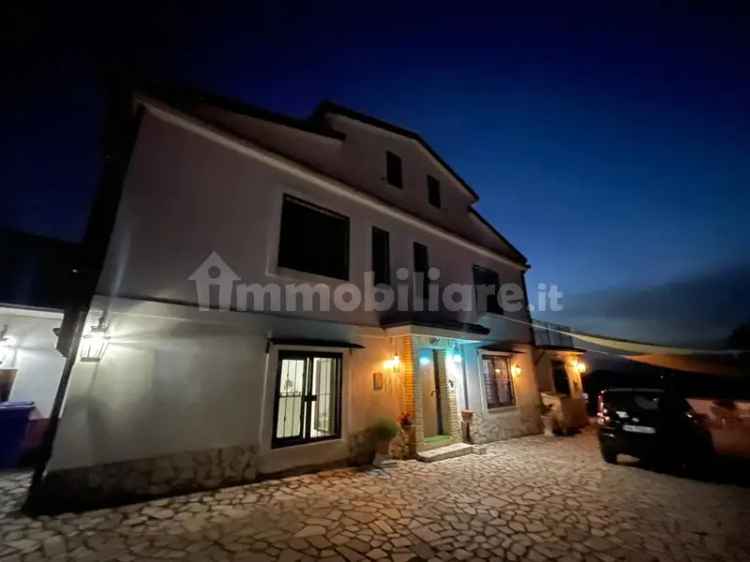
(460, 331)
(306, 342)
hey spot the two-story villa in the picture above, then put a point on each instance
(190, 363)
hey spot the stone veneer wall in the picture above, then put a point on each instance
(488, 427)
(129, 481)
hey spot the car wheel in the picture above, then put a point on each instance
(609, 455)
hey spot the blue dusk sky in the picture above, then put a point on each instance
(613, 149)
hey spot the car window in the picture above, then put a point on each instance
(648, 402)
(644, 401)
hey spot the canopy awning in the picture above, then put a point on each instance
(305, 342)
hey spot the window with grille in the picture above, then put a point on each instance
(308, 398)
(498, 383)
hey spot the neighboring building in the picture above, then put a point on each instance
(559, 370)
(32, 298)
(215, 194)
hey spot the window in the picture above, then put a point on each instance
(498, 384)
(487, 295)
(381, 256)
(433, 191)
(393, 169)
(313, 239)
(421, 265)
(308, 398)
(560, 376)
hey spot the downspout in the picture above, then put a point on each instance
(466, 380)
(121, 130)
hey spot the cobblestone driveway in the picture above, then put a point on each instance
(533, 498)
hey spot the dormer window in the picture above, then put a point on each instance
(433, 191)
(393, 169)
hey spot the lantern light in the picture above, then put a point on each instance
(6, 342)
(424, 360)
(393, 363)
(581, 367)
(94, 344)
(516, 370)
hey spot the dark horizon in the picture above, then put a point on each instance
(609, 148)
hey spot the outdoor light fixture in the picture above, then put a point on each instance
(393, 363)
(424, 360)
(6, 342)
(580, 367)
(516, 370)
(94, 344)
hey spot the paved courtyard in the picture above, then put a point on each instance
(533, 498)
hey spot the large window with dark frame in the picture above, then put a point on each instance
(308, 398)
(393, 170)
(433, 191)
(498, 383)
(313, 239)
(487, 295)
(381, 256)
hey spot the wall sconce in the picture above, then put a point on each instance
(516, 370)
(394, 363)
(580, 366)
(6, 342)
(94, 344)
(424, 360)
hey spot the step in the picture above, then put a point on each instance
(447, 452)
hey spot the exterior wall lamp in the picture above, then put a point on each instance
(6, 342)
(516, 370)
(394, 363)
(580, 366)
(94, 344)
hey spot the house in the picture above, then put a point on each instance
(225, 329)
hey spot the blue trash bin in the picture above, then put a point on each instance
(14, 419)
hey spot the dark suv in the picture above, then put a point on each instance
(653, 425)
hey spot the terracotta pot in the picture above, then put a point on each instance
(7, 376)
(467, 415)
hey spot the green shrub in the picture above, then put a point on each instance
(384, 429)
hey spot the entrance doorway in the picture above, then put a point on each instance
(433, 401)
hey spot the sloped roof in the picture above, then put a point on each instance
(331, 107)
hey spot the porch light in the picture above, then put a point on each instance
(393, 363)
(6, 342)
(516, 370)
(94, 344)
(424, 360)
(580, 366)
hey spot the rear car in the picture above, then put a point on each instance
(653, 425)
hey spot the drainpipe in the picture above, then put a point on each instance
(466, 380)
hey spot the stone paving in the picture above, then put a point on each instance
(534, 498)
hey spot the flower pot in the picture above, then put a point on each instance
(7, 377)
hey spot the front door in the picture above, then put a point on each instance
(432, 399)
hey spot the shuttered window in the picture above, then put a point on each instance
(381, 256)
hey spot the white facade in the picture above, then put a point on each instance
(178, 380)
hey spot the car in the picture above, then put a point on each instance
(654, 425)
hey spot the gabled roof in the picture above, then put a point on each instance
(331, 107)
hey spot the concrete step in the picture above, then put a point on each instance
(447, 452)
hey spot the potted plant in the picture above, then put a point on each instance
(404, 421)
(382, 432)
(548, 418)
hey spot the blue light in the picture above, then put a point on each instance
(424, 361)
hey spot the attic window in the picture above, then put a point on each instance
(433, 191)
(393, 169)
